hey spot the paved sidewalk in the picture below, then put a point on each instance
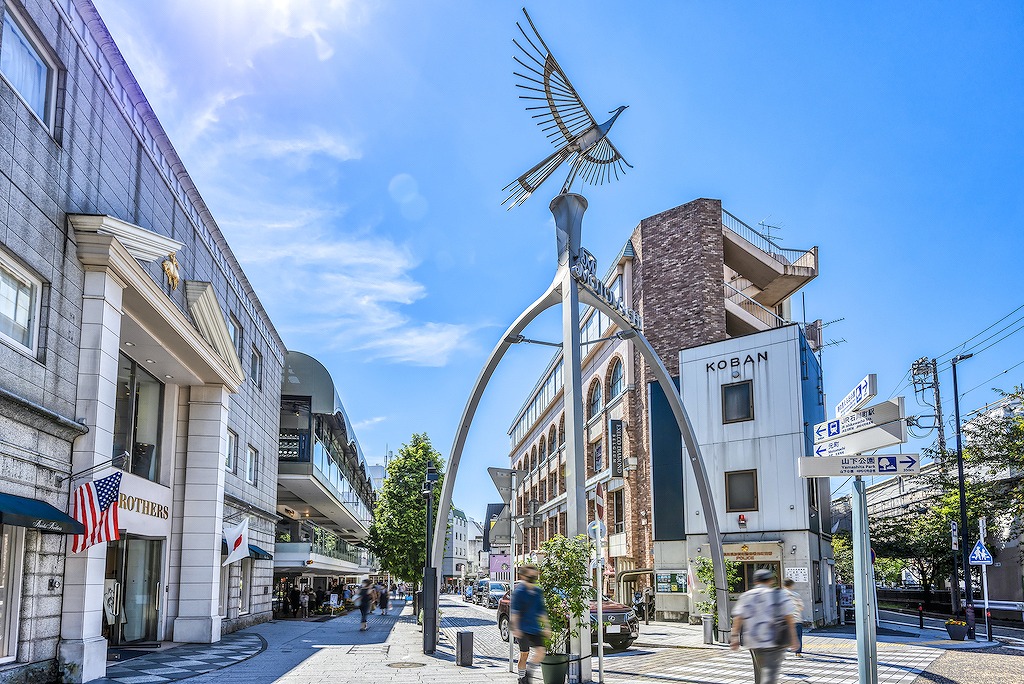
(315, 652)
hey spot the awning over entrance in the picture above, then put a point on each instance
(39, 515)
(254, 551)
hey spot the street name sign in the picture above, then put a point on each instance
(872, 416)
(839, 466)
(868, 439)
(980, 555)
(864, 392)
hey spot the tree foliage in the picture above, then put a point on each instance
(398, 533)
(994, 454)
(565, 582)
(705, 573)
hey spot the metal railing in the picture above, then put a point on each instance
(753, 308)
(786, 257)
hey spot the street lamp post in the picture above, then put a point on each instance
(965, 548)
(429, 605)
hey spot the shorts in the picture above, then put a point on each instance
(528, 641)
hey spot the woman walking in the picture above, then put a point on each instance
(364, 600)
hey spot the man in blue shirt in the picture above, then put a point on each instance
(529, 622)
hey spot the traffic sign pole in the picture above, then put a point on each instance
(513, 664)
(984, 583)
(864, 603)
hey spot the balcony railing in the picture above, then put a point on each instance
(319, 541)
(294, 447)
(759, 312)
(786, 257)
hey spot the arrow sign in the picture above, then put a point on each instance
(865, 440)
(838, 466)
(873, 416)
(502, 478)
(864, 392)
(980, 555)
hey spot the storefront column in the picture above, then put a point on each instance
(83, 650)
(199, 619)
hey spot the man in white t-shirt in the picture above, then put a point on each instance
(757, 616)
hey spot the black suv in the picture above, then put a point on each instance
(621, 627)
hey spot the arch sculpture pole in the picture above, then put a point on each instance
(568, 210)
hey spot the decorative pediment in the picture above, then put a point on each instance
(144, 245)
(209, 319)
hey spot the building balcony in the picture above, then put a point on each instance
(777, 273)
(744, 316)
(315, 486)
(302, 544)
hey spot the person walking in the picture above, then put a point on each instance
(382, 598)
(529, 623)
(304, 604)
(761, 615)
(364, 599)
(293, 600)
(798, 615)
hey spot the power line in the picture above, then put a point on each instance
(1019, 363)
(964, 343)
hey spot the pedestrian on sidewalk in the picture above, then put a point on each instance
(293, 600)
(382, 599)
(304, 604)
(798, 615)
(364, 599)
(763, 619)
(529, 623)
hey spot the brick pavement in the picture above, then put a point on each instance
(313, 652)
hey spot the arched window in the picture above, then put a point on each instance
(561, 430)
(542, 453)
(594, 402)
(615, 384)
(552, 445)
(533, 458)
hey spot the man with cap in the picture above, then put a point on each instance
(758, 617)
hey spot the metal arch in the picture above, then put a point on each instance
(550, 298)
(692, 448)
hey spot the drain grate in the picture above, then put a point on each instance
(405, 664)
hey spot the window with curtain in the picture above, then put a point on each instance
(616, 385)
(24, 68)
(19, 304)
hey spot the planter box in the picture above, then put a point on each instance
(957, 632)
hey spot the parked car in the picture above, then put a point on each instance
(467, 593)
(490, 592)
(621, 626)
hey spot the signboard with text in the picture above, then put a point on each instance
(672, 582)
(615, 448)
(858, 464)
(864, 392)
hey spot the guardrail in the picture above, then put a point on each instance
(786, 257)
(753, 308)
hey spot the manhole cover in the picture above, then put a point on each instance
(405, 664)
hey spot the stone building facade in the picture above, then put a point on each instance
(131, 341)
(696, 274)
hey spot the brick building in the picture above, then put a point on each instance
(131, 344)
(696, 274)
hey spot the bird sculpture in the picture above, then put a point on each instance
(568, 123)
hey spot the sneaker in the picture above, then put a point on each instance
(525, 679)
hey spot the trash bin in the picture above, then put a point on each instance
(464, 649)
(417, 603)
(708, 622)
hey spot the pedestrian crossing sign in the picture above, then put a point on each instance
(980, 555)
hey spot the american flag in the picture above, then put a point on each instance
(95, 506)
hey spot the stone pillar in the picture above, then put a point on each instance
(199, 619)
(83, 651)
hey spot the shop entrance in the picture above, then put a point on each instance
(131, 590)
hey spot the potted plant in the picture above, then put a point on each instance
(956, 628)
(565, 581)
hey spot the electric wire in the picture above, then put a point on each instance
(964, 394)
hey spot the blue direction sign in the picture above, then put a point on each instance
(980, 555)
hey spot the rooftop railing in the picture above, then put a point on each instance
(761, 313)
(786, 257)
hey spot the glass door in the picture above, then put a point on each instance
(132, 590)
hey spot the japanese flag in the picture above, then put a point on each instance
(237, 538)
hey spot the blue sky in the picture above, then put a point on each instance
(354, 154)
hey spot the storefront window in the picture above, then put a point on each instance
(10, 581)
(138, 410)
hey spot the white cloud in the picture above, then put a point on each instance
(368, 423)
(317, 142)
(343, 291)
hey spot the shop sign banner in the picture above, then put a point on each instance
(615, 447)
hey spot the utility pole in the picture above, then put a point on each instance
(964, 542)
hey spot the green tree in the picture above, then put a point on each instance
(842, 550)
(398, 533)
(705, 572)
(565, 582)
(994, 456)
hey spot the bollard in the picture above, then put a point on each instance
(464, 649)
(708, 622)
(920, 615)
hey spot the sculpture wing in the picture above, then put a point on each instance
(597, 165)
(562, 114)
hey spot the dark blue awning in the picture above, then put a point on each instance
(258, 553)
(254, 551)
(38, 515)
